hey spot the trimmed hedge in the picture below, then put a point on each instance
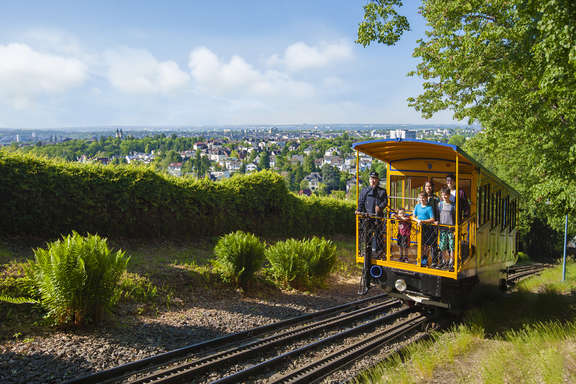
(46, 198)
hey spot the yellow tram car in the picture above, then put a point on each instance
(485, 238)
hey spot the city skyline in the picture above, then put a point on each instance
(65, 65)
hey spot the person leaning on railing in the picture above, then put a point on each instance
(424, 216)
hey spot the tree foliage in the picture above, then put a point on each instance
(511, 66)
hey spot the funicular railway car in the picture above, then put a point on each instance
(484, 233)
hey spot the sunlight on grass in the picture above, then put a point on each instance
(537, 353)
(527, 336)
(346, 257)
(424, 358)
(550, 280)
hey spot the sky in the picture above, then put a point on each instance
(196, 63)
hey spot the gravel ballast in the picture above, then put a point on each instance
(53, 356)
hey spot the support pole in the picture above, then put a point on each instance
(565, 241)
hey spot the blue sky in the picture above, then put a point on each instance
(194, 63)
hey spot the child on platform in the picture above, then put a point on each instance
(404, 230)
(447, 212)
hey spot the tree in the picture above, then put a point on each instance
(509, 65)
(457, 140)
(264, 162)
(330, 177)
(309, 165)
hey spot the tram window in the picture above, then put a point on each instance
(498, 208)
(404, 191)
(465, 184)
(504, 221)
(483, 204)
(487, 202)
(513, 214)
(493, 206)
(479, 198)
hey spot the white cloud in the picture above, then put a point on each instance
(237, 77)
(54, 40)
(26, 73)
(137, 71)
(300, 56)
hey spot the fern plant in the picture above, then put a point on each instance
(287, 263)
(302, 263)
(321, 258)
(239, 256)
(76, 277)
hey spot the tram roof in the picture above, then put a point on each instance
(404, 149)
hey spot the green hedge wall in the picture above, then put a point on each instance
(46, 198)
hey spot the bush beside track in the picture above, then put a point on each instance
(45, 198)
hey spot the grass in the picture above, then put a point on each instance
(419, 361)
(528, 336)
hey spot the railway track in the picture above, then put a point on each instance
(518, 273)
(350, 330)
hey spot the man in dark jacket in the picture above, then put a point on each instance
(373, 199)
(372, 202)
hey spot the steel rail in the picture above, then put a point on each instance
(323, 367)
(199, 366)
(243, 374)
(122, 370)
(525, 273)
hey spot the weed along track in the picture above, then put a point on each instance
(273, 353)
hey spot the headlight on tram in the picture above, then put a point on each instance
(400, 285)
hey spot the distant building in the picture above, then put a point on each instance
(314, 179)
(251, 167)
(175, 169)
(402, 134)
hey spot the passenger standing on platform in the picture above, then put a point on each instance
(373, 199)
(447, 217)
(433, 201)
(463, 204)
(425, 216)
(372, 202)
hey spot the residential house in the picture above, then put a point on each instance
(314, 179)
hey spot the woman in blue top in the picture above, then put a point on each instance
(424, 215)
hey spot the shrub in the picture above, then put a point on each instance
(239, 256)
(76, 277)
(287, 263)
(302, 263)
(321, 256)
(133, 287)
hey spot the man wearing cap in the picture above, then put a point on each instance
(372, 201)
